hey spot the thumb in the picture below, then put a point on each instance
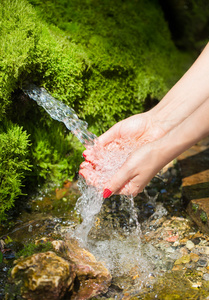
(110, 135)
(119, 180)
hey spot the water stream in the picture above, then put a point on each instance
(120, 251)
(61, 112)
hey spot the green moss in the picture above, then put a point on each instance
(31, 249)
(203, 216)
(18, 32)
(13, 164)
(125, 56)
(56, 154)
(195, 207)
(104, 58)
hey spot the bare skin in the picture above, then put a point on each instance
(175, 124)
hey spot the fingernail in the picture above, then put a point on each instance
(106, 193)
(84, 155)
(80, 174)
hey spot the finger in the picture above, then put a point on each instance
(120, 178)
(85, 164)
(132, 188)
(110, 135)
(89, 176)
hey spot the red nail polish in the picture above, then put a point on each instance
(106, 193)
(84, 155)
(80, 174)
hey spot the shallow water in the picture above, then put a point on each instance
(141, 265)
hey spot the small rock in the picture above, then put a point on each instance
(183, 260)
(44, 276)
(30, 228)
(194, 257)
(176, 244)
(202, 263)
(206, 250)
(190, 245)
(183, 251)
(177, 268)
(169, 250)
(172, 239)
(2, 244)
(197, 284)
(206, 276)
(196, 240)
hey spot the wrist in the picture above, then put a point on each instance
(161, 121)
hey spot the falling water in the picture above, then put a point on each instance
(61, 112)
(118, 254)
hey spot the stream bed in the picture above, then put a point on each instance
(166, 258)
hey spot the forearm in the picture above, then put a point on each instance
(186, 95)
(185, 135)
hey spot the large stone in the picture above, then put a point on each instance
(43, 276)
(198, 209)
(194, 165)
(77, 274)
(91, 276)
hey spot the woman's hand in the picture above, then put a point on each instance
(114, 146)
(145, 162)
(129, 154)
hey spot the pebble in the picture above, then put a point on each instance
(177, 268)
(184, 251)
(202, 263)
(170, 250)
(194, 257)
(190, 245)
(197, 284)
(30, 228)
(206, 276)
(196, 240)
(183, 260)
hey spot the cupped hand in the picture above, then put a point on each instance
(116, 148)
(139, 168)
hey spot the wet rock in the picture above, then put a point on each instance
(202, 263)
(198, 209)
(43, 276)
(183, 260)
(189, 245)
(91, 276)
(49, 276)
(195, 182)
(194, 257)
(206, 276)
(196, 240)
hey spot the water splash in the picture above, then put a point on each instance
(61, 112)
(119, 255)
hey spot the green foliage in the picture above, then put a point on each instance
(18, 33)
(13, 163)
(104, 58)
(58, 64)
(56, 156)
(125, 56)
(32, 248)
(203, 216)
